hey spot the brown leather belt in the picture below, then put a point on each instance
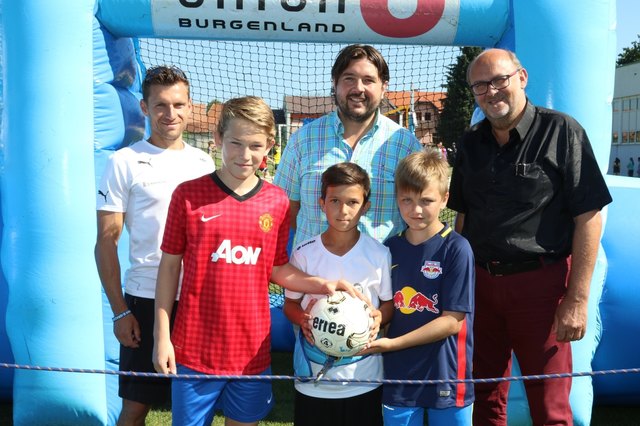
(498, 268)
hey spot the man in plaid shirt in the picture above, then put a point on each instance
(355, 132)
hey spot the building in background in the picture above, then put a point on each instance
(418, 111)
(625, 132)
(201, 128)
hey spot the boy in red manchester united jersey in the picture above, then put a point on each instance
(228, 232)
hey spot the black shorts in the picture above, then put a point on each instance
(146, 390)
(365, 409)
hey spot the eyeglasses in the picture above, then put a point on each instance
(500, 82)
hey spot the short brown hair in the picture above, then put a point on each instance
(359, 51)
(418, 170)
(163, 75)
(346, 174)
(251, 108)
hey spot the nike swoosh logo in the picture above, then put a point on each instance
(207, 219)
(393, 266)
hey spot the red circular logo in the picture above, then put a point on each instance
(377, 16)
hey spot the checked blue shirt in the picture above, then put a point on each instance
(319, 145)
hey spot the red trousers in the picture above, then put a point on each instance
(516, 313)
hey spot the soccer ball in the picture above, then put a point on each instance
(340, 324)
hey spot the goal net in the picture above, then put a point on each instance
(295, 80)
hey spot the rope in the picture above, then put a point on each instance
(305, 379)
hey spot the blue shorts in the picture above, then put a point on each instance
(193, 402)
(414, 416)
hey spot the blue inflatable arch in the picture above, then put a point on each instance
(70, 84)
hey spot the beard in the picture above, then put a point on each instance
(351, 114)
(504, 111)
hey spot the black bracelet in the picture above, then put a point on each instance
(121, 315)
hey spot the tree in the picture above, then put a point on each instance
(629, 55)
(212, 103)
(458, 106)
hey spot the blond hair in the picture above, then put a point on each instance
(250, 108)
(418, 170)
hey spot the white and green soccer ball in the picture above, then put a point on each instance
(340, 324)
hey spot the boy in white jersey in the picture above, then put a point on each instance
(340, 252)
(135, 191)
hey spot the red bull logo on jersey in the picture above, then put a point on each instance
(408, 300)
(431, 269)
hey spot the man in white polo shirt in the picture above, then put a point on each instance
(135, 192)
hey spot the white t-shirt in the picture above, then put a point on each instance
(368, 267)
(138, 180)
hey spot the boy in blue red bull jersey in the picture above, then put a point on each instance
(432, 276)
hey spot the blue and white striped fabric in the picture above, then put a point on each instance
(319, 145)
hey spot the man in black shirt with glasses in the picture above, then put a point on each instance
(528, 193)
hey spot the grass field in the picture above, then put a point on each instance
(282, 414)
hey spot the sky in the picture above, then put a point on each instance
(628, 25)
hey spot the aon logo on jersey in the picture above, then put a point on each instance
(238, 255)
